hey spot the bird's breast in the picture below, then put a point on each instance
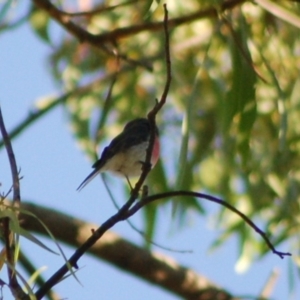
(129, 162)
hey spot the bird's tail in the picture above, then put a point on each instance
(88, 179)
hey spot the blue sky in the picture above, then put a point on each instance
(53, 166)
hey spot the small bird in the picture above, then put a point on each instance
(126, 153)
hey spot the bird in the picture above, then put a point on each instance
(126, 153)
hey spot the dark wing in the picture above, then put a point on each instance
(114, 147)
(135, 132)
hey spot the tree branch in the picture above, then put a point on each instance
(113, 35)
(149, 199)
(12, 162)
(82, 35)
(123, 212)
(155, 268)
(8, 235)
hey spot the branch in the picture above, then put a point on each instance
(157, 269)
(8, 235)
(82, 35)
(113, 35)
(149, 199)
(160, 104)
(152, 114)
(123, 212)
(12, 162)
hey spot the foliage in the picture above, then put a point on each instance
(233, 106)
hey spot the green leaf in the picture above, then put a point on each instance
(8, 213)
(53, 238)
(240, 101)
(39, 21)
(33, 239)
(17, 229)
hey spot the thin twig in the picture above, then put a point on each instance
(123, 212)
(159, 104)
(12, 162)
(163, 99)
(152, 114)
(149, 199)
(7, 233)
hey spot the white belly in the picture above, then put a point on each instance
(128, 163)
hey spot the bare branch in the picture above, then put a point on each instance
(163, 99)
(152, 198)
(156, 268)
(152, 114)
(12, 162)
(8, 235)
(82, 35)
